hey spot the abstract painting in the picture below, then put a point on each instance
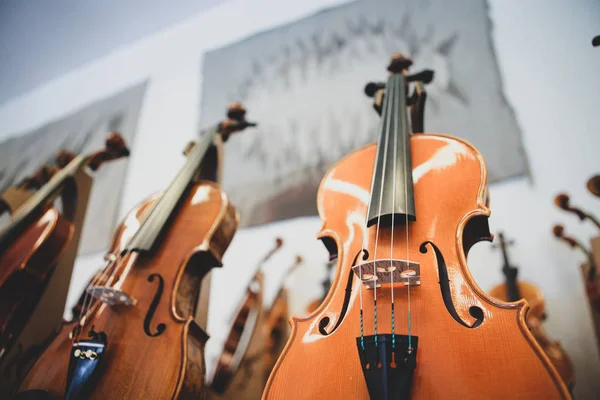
(81, 132)
(303, 83)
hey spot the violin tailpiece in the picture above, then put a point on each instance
(84, 359)
(388, 365)
(402, 271)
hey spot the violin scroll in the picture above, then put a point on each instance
(593, 184)
(115, 149)
(235, 122)
(562, 201)
(559, 232)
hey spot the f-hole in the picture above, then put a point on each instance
(474, 311)
(160, 328)
(325, 320)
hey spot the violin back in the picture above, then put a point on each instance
(469, 345)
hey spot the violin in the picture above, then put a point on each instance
(135, 336)
(33, 241)
(326, 284)
(242, 329)
(563, 201)
(404, 317)
(513, 290)
(276, 323)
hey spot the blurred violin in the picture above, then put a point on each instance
(404, 318)
(242, 328)
(591, 283)
(563, 202)
(135, 336)
(514, 290)
(32, 242)
(326, 284)
(276, 322)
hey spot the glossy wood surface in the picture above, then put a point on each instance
(168, 365)
(500, 359)
(25, 267)
(534, 319)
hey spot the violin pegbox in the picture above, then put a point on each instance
(115, 148)
(400, 64)
(235, 122)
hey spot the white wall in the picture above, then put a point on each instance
(550, 77)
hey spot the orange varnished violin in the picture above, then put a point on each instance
(276, 323)
(242, 329)
(326, 284)
(32, 242)
(136, 337)
(404, 317)
(513, 290)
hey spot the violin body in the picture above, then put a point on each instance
(25, 268)
(469, 347)
(154, 348)
(535, 316)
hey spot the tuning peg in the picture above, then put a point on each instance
(596, 41)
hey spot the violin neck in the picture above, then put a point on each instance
(157, 218)
(42, 196)
(392, 194)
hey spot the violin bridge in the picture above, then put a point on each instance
(402, 271)
(111, 296)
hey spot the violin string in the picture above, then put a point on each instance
(407, 170)
(87, 297)
(393, 215)
(387, 103)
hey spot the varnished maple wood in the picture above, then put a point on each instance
(535, 316)
(500, 359)
(169, 365)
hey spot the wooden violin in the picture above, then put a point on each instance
(32, 242)
(276, 323)
(326, 284)
(136, 337)
(404, 317)
(514, 290)
(242, 328)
